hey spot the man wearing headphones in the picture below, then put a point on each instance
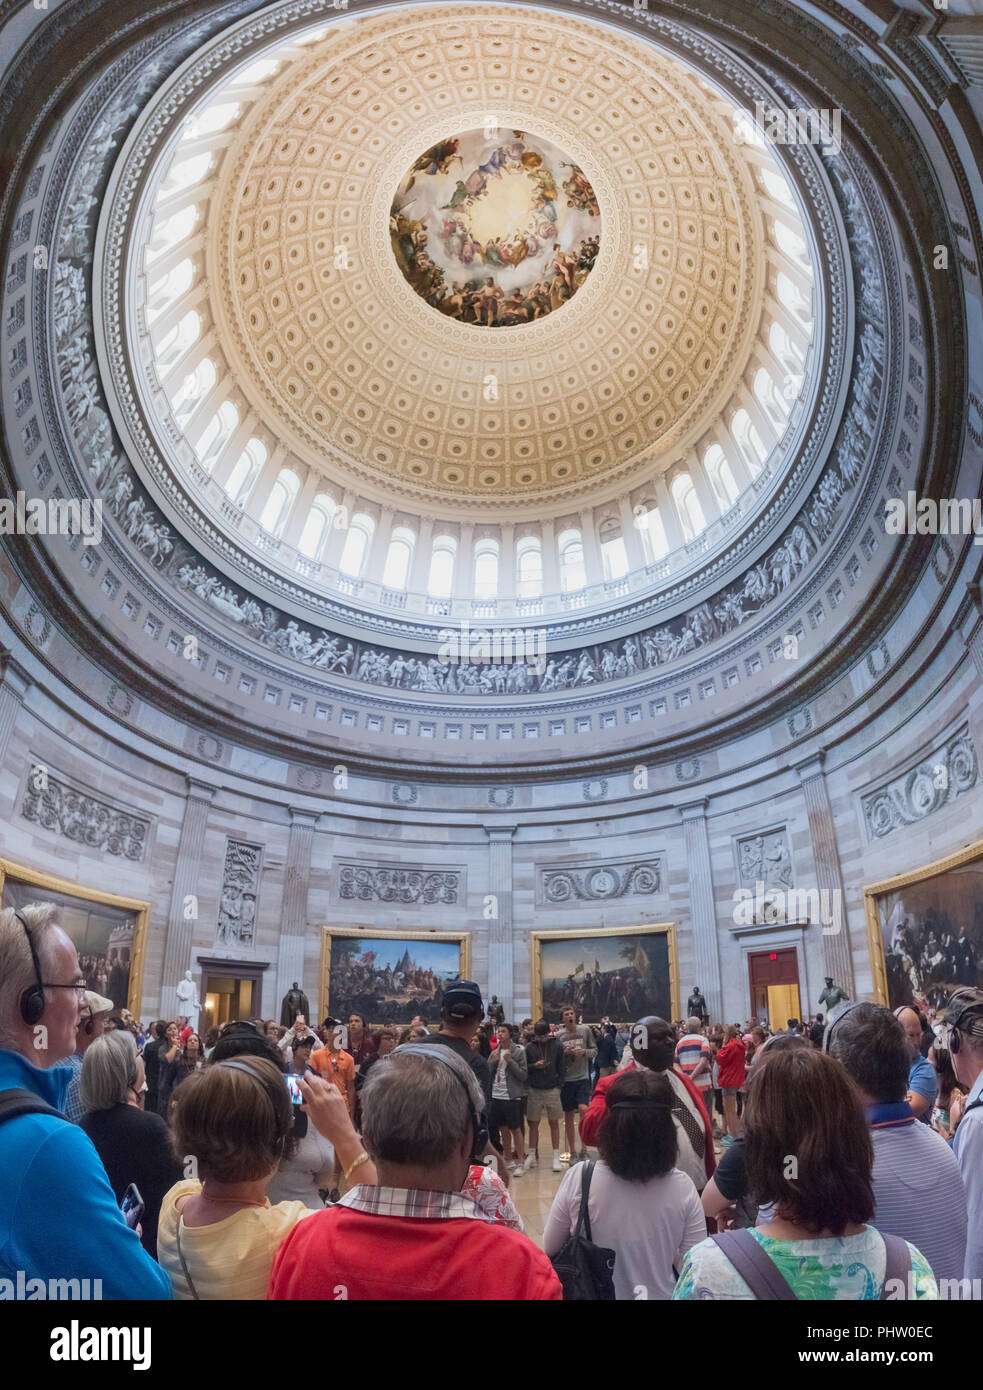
(92, 1025)
(415, 1235)
(964, 1017)
(59, 1220)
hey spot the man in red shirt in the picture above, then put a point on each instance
(653, 1045)
(415, 1235)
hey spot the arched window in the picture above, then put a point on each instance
(688, 506)
(193, 390)
(246, 471)
(356, 548)
(316, 526)
(179, 339)
(396, 570)
(785, 349)
(167, 289)
(790, 243)
(748, 440)
(442, 559)
(279, 502)
(721, 475)
(217, 434)
(776, 187)
(614, 555)
(653, 534)
(185, 172)
(767, 394)
(793, 299)
(172, 232)
(486, 569)
(573, 575)
(529, 567)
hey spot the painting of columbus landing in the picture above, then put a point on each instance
(389, 977)
(926, 931)
(495, 227)
(619, 973)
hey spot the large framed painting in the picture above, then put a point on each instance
(925, 930)
(109, 931)
(621, 973)
(389, 976)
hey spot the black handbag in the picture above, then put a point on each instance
(585, 1270)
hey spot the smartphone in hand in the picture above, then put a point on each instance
(132, 1206)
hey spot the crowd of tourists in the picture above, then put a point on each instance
(835, 1159)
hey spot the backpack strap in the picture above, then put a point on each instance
(19, 1101)
(898, 1264)
(583, 1220)
(755, 1266)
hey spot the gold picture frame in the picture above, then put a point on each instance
(873, 892)
(365, 933)
(54, 887)
(537, 939)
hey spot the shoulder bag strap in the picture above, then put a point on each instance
(184, 1263)
(898, 1265)
(755, 1266)
(583, 1220)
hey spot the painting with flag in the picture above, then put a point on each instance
(389, 977)
(633, 973)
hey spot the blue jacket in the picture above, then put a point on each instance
(58, 1214)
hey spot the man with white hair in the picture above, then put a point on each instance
(59, 1220)
(92, 1024)
(415, 1235)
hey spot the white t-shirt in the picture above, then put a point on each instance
(649, 1225)
(500, 1088)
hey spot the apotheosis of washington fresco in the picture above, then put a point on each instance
(495, 227)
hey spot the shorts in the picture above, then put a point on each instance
(506, 1114)
(543, 1101)
(574, 1093)
(731, 1090)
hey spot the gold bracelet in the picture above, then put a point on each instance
(362, 1158)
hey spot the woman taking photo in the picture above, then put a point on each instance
(808, 1156)
(217, 1235)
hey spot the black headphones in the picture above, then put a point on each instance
(479, 1123)
(281, 1137)
(831, 1027)
(32, 1000)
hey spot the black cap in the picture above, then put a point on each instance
(462, 999)
(330, 1022)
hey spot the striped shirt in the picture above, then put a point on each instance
(918, 1189)
(691, 1050)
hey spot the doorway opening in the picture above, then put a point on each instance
(774, 979)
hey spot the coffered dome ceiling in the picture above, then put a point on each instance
(343, 360)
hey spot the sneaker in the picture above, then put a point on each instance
(529, 1164)
(557, 1167)
(565, 1158)
(577, 1158)
(583, 1156)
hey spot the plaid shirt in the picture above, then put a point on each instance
(74, 1107)
(419, 1203)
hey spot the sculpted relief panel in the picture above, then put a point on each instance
(240, 891)
(934, 783)
(604, 882)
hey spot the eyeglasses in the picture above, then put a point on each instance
(79, 986)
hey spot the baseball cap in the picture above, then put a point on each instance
(462, 999)
(96, 1004)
